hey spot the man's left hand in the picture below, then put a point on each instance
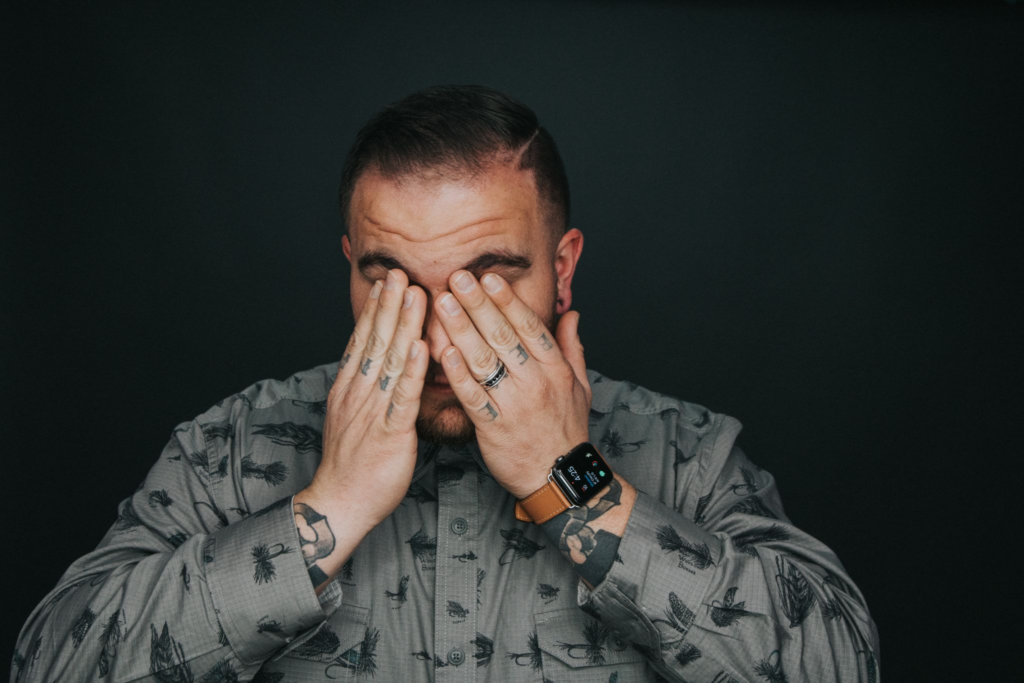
(540, 410)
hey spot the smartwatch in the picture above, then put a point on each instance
(576, 477)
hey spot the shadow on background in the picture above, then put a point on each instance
(799, 216)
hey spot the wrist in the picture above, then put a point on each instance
(341, 509)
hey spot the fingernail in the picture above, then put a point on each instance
(407, 299)
(375, 292)
(449, 304)
(453, 358)
(464, 282)
(491, 282)
(392, 280)
(415, 350)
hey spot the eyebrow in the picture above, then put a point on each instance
(496, 258)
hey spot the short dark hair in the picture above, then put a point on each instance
(458, 129)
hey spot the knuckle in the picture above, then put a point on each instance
(532, 325)
(375, 344)
(484, 357)
(505, 336)
(355, 341)
(392, 361)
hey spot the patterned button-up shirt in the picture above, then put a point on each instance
(200, 577)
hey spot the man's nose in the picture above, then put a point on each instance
(434, 332)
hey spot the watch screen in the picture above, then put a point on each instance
(585, 471)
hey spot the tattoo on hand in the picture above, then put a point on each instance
(546, 342)
(591, 551)
(490, 410)
(366, 366)
(316, 540)
(344, 359)
(522, 353)
(384, 382)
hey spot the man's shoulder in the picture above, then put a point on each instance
(612, 396)
(306, 389)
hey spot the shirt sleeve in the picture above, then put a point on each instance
(175, 590)
(734, 592)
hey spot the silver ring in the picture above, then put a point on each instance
(495, 377)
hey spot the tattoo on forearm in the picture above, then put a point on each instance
(316, 540)
(522, 353)
(546, 342)
(591, 551)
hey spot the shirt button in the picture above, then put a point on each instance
(456, 656)
(618, 643)
(459, 525)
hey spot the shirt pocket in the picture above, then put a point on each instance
(578, 648)
(334, 649)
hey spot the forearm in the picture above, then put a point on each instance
(330, 529)
(589, 536)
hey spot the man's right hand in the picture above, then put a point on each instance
(369, 446)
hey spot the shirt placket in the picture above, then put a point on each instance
(458, 538)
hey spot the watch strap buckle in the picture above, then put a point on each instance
(543, 504)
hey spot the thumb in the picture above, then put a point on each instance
(572, 348)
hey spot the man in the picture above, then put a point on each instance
(401, 514)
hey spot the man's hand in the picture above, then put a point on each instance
(369, 443)
(540, 410)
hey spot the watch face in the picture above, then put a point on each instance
(585, 472)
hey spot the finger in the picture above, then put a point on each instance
(479, 404)
(492, 330)
(532, 331)
(568, 335)
(410, 327)
(357, 340)
(481, 358)
(404, 406)
(384, 324)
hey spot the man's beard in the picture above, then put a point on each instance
(448, 423)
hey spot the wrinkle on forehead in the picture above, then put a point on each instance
(407, 238)
(451, 212)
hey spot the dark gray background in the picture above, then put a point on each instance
(799, 216)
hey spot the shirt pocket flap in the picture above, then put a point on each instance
(578, 640)
(342, 633)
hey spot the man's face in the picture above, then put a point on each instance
(430, 229)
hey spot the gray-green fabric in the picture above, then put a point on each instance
(200, 578)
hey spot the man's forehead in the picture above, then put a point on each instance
(436, 227)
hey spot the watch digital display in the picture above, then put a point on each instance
(583, 473)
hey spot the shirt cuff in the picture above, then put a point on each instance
(259, 584)
(629, 600)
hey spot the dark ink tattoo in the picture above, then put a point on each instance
(546, 342)
(522, 353)
(365, 366)
(391, 407)
(345, 359)
(384, 382)
(490, 410)
(593, 552)
(313, 525)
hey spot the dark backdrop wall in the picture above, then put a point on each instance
(806, 213)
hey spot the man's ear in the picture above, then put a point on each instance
(567, 255)
(346, 247)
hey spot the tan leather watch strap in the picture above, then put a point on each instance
(542, 504)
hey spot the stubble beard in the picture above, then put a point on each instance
(445, 421)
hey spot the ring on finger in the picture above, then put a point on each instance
(492, 379)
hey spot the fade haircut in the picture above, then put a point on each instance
(456, 131)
